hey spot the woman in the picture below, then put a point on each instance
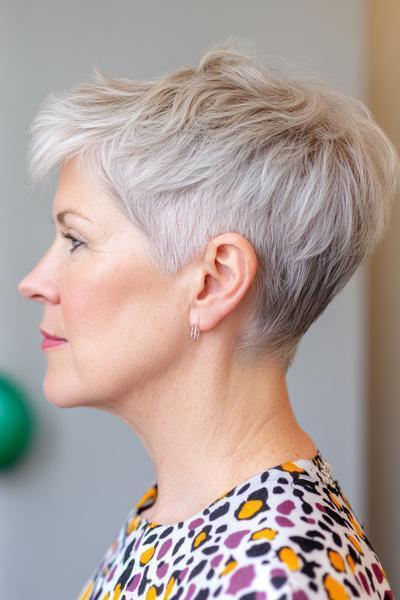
(221, 208)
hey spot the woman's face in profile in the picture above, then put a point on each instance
(100, 292)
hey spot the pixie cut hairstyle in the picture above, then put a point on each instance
(302, 171)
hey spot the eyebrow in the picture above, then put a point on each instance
(61, 215)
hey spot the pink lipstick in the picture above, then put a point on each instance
(50, 341)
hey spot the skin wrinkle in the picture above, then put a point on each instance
(207, 421)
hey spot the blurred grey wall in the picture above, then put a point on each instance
(62, 505)
(383, 93)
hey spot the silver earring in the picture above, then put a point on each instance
(194, 331)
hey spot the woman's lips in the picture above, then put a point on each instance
(49, 343)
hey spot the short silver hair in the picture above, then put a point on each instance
(301, 170)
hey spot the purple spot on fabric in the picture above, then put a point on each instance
(241, 578)
(134, 582)
(278, 572)
(111, 573)
(261, 596)
(138, 542)
(190, 592)
(320, 507)
(162, 569)
(182, 573)
(164, 548)
(216, 560)
(196, 523)
(377, 572)
(233, 540)
(299, 595)
(286, 507)
(284, 522)
(364, 582)
(309, 520)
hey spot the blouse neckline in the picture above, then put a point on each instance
(311, 467)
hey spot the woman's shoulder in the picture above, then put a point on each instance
(306, 537)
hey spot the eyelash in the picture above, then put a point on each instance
(73, 239)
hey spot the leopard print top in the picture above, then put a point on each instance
(287, 532)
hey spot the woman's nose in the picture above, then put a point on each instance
(38, 284)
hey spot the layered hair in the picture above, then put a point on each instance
(301, 170)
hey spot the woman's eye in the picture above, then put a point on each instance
(73, 239)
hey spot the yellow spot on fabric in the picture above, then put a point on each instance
(229, 567)
(351, 563)
(265, 533)
(147, 555)
(356, 526)
(335, 500)
(290, 558)
(117, 592)
(87, 591)
(168, 589)
(106, 596)
(336, 560)
(199, 539)
(133, 524)
(355, 543)
(149, 495)
(334, 589)
(249, 509)
(292, 467)
(151, 593)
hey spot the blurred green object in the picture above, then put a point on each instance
(16, 422)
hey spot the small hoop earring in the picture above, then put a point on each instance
(194, 331)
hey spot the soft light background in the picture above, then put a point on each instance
(62, 505)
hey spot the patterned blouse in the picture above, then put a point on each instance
(286, 533)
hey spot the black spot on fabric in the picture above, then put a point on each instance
(337, 539)
(150, 538)
(307, 508)
(278, 581)
(264, 476)
(243, 489)
(220, 511)
(371, 579)
(313, 533)
(128, 551)
(313, 586)
(126, 574)
(324, 526)
(306, 544)
(221, 528)
(258, 549)
(336, 517)
(197, 569)
(202, 594)
(309, 567)
(282, 480)
(278, 490)
(211, 549)
(210, 574)
(354, 591)
(327, 519)
(166, 533)
(249, 596)
(177, 546)
(354, 555)
(310, 486)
